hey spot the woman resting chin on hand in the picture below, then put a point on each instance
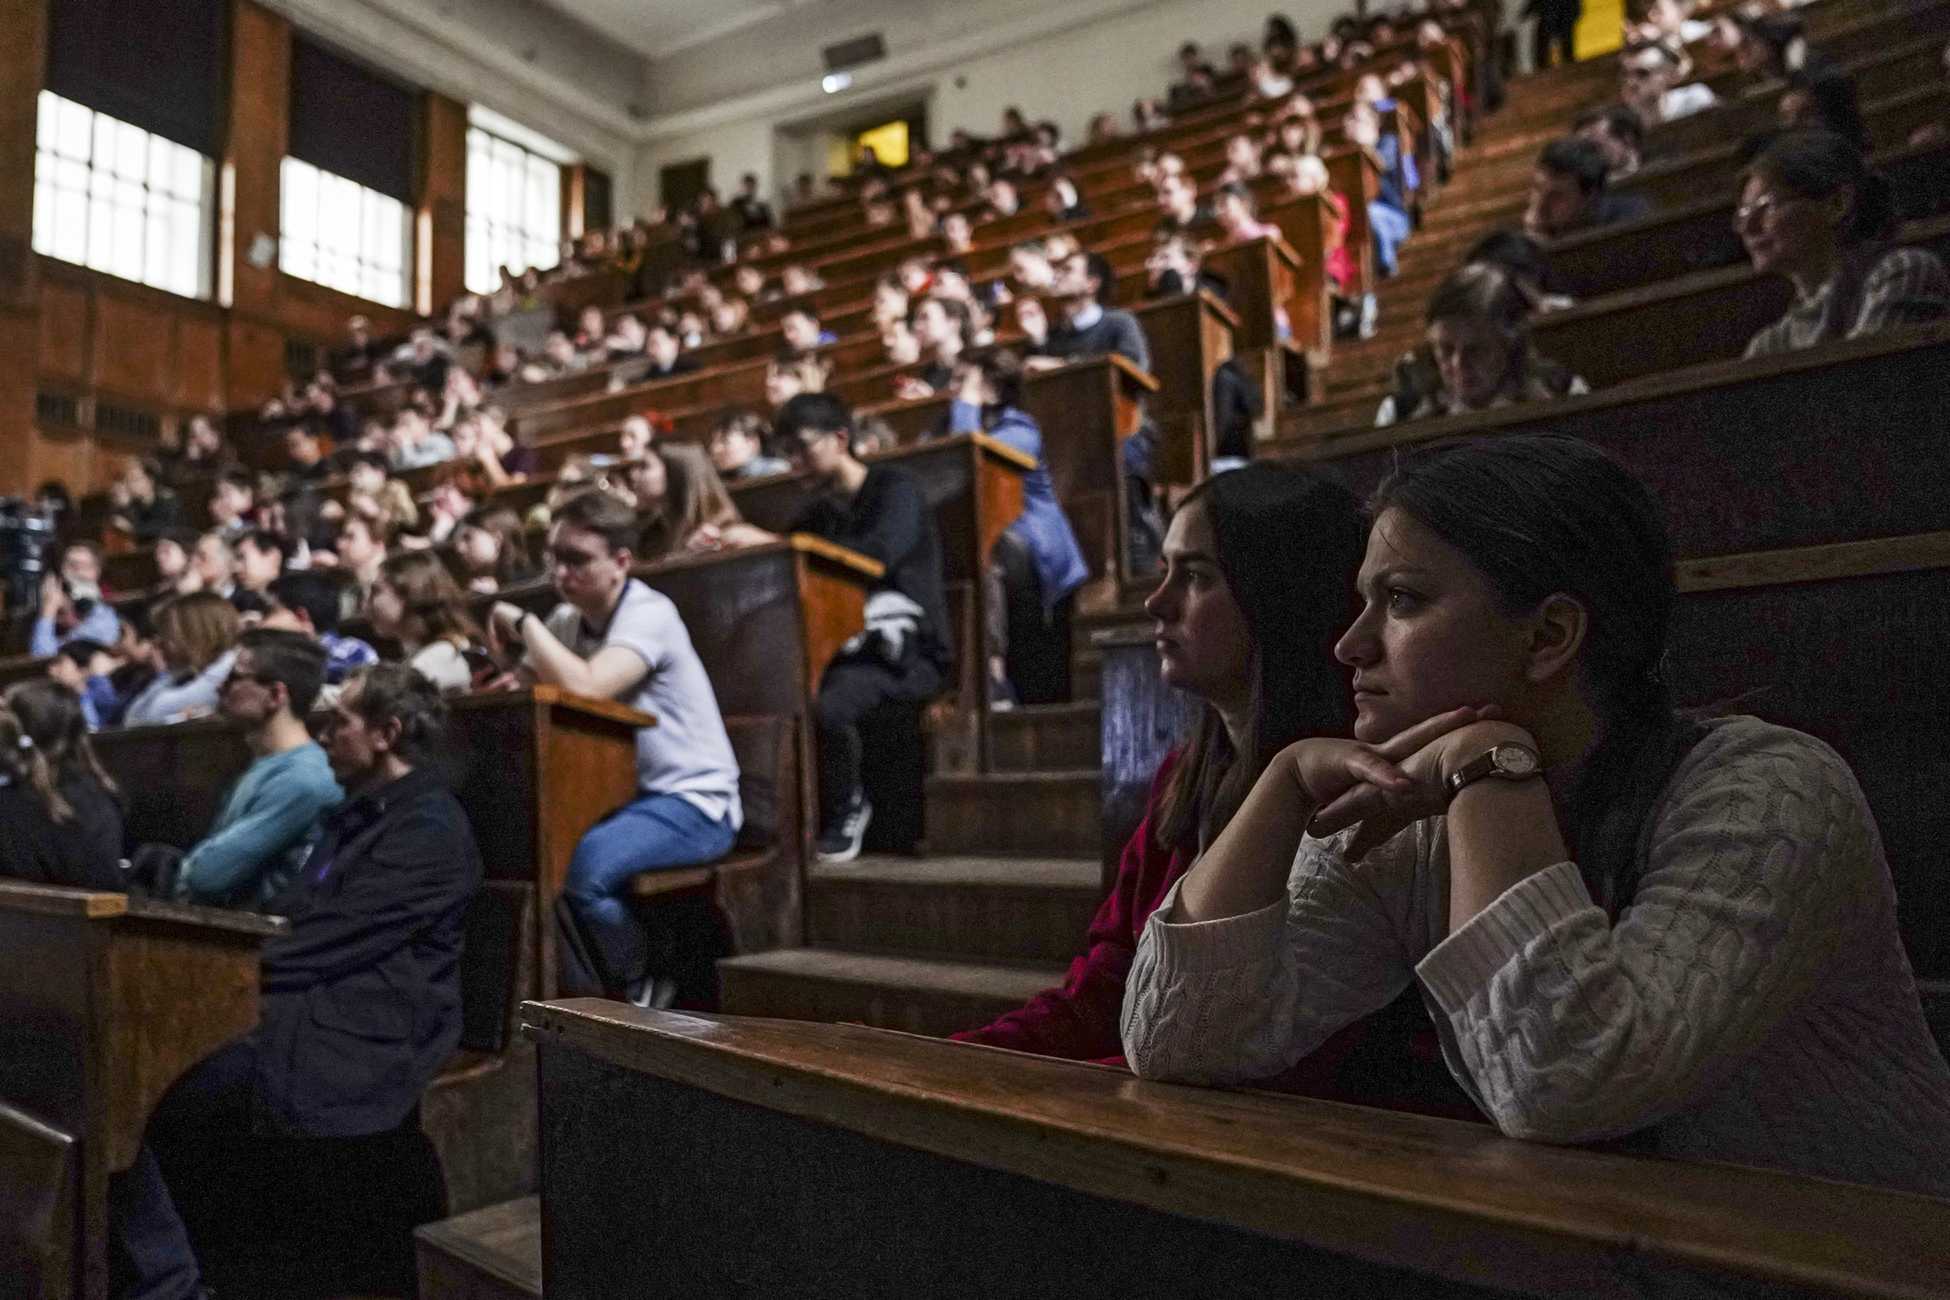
(1622, 922)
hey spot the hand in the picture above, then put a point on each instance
(911, 388)
(1041, 363)
(1440, 747)
(53, 599)
(504, 625)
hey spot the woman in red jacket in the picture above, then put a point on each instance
(1258, 583)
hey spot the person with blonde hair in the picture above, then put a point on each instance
(60, 813)
(416, 602)
(197, 637)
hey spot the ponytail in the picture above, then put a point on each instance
(26, 764)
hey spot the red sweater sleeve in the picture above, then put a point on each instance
(1078, 1018)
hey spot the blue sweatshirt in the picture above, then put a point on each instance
(266, 822)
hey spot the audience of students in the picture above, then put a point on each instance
(1624, 922)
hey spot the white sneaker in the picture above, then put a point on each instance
(842, 843)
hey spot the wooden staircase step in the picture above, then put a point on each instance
(964, 908)
(908, 993)
(493, 1253)
(1045, 737)
(1044, 814)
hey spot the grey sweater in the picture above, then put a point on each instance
(1753, 1004)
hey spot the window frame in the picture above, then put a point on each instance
(132, 184)
(495, 239)
(338, 204)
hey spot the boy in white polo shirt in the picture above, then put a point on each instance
(615, 638)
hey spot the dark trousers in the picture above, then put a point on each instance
(1032, 638)
(1144, 533)
(1558, 30)
(852, 688)
(267, 1214)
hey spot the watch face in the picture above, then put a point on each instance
(1515, 760)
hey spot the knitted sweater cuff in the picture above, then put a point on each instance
(1462, 966)
(1222, 944)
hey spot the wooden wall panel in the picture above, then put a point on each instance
(65, 335)
(443, 204)
(199, 364)
(253, 362)
(133, 352)
(259, 121)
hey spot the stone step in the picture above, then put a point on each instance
(907, 993)
(493, 1253)
(1045, 737)
(1039, 814)
(959, 908)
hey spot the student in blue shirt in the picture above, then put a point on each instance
(72, 604)
(269, 816)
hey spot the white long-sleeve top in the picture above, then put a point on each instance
(1753, 1004)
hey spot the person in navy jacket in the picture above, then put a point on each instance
(361, 1007)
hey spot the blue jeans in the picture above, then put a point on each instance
(1390, 228)
(656, 832)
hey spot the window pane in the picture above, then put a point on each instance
(75, 131)
(514, 209)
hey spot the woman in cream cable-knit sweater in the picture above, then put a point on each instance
(1678, 930)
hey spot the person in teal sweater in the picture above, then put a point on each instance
(268, 819)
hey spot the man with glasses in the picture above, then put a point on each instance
(615, 638)
(266, 822)
(902, 656)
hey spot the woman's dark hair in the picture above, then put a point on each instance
(1540, 515)
(1289, 543)
(1832, 95)
(1816, 164)
(1001, 369)
(47, 716)
(1780, 35)
(1515, 252)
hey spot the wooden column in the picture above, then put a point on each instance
(248, 217)
(22, 58)
(440, 223)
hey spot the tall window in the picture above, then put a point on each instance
(113, 197)
(338, 233)
(514, 209)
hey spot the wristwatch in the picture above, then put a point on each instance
(1510, 762)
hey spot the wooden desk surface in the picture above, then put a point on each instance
(1437, 1196)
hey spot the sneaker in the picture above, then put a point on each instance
(654, 992)
(841, 842)
(1002, 695)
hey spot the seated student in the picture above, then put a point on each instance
(233, 503)
(788, 375)
(1087, 327)
(695, 512)
(260, 560)
(1037, 564)
(1236, 212)
(416, 602)
(196, 636)
(739, 447)
(263, 1165)
(1823, 99)
(309, 601)
(1064, 201)
(144, 508)
(1768, 47)
(1178, 204)
(1569, 192)
(1176, 266)
(1812, 210)
(615, 638)
(1479, 355)
(86, 668)
(1626, 923)
(1620, 136)
(1652, 73)
(265, 823)
(802, 332)
(72, 604)
(492, 547)
(60, 813)
(904, 653)
(665, 350)
(1389, 219)
(174, 573)
(940, 326)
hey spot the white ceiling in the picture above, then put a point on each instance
(657, 29)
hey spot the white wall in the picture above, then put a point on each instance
(767, 80)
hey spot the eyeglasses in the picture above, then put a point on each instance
(1762, 210)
